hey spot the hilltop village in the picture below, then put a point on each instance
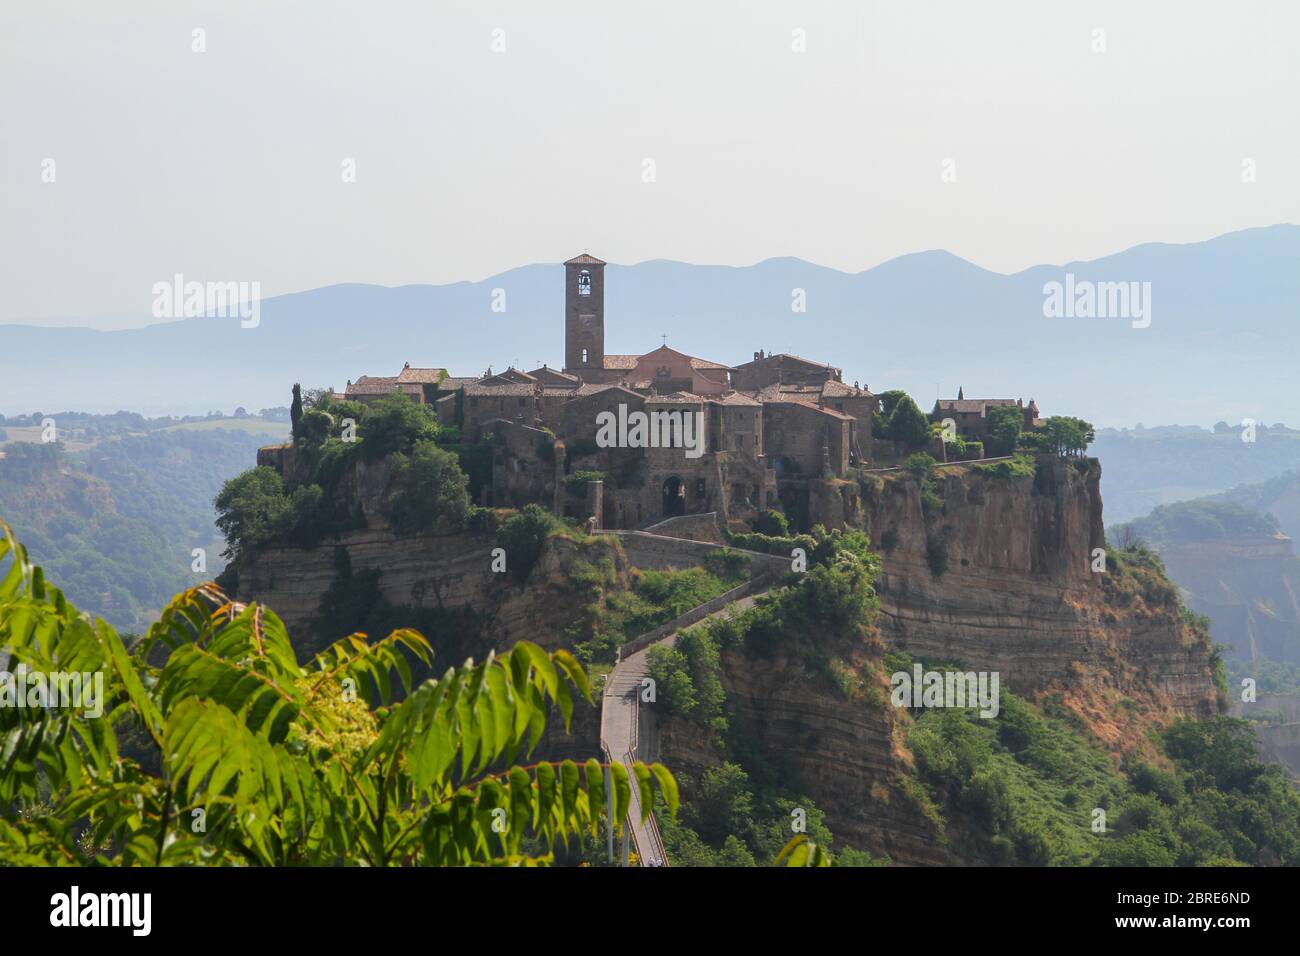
(758, 435)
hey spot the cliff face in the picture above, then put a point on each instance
(427, 572)
(843, 751)
(1249, 588)
(995, 574)
(1019, 596)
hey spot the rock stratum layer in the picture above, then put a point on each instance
(1020, 594)
(1017, 595)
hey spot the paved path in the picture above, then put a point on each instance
(619, 728)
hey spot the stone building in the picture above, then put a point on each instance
(971, 415)
(781, 369)
(776, 418)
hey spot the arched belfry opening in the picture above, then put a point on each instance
(584, 313)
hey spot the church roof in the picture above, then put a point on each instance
(584, 260)
(695, 363)
(620, 361)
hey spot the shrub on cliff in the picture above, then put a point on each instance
(252, 509)
(395, 424)
(428, 493)
(921, 467)
(772, 523)
(523, 537)
(1020, 466)
(315, 426)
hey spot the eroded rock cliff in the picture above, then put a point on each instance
(1021, 592)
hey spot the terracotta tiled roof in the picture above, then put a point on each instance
(805, 394)
(545, 372)
(456, 383)
(620, 361)
(675, 398)
(425, 376)
(734, 398)
(372, 385)
(584, 260)
(978, 406)
(834, 389)
(820, 409)
(499, 389)
(789, 358)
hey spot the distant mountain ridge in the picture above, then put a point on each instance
(1223, 328)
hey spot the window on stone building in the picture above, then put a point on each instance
(584, 283)
(584, 356)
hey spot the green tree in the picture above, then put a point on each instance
(723, 805)
(907, 423)
(1006, 422)
(429, 491)
(295, 412)
(772, 523)
(252, 509)
(1066, 435)
(394, 424)
(523, 538)
(282, 763)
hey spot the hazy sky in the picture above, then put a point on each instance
(227, 164)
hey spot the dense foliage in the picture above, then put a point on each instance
(429, 490)
(229, 751)
(117, 522)
(1204, 519)
(1006, 422)
(1033, 783)
(902, 420)
(1066, 435)
(656, 597)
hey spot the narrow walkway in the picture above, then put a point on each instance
(620, 726)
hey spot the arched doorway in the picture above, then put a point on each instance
(674, 497)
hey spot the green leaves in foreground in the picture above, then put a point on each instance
(216, 746)
(801, 851)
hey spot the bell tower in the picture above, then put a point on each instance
(584, 315)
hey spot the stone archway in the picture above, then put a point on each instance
(674, 503)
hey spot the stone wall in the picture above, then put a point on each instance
(653, 552)
(703, 527)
